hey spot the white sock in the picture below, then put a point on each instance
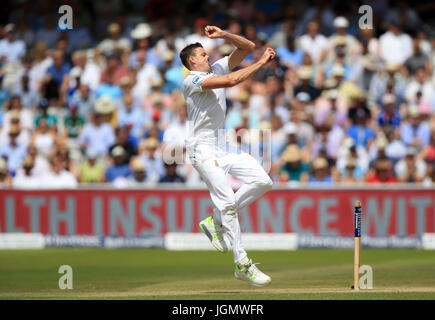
(244, 261)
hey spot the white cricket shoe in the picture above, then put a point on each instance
(252, 274)
(214, 234)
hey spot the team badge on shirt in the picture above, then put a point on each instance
(195, 80)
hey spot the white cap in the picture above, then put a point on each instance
(141, 31)
(118, 151)
(104, 105)
(303, 97)
(388, 98)
(341, 22)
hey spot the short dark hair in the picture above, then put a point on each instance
(187, 52)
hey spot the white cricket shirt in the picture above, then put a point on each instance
(206, 109)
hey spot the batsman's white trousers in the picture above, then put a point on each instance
(243, 167)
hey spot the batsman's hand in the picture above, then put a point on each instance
(268, 55)
(214, 32)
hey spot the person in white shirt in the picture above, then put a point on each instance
(11, 49)
(146, 72)
(25, 177)
(204, 91)
(313, 43)
(58, 177)
(353, 48)
(421, 84)
(410, 169)
(91, 72)
(395, 46)
(176, 132)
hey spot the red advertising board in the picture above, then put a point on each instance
(139, 212)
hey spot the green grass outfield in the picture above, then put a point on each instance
(161, 274)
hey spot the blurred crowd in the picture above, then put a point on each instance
(103, 103)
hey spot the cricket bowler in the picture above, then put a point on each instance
(204, 91)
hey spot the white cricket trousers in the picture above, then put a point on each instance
(245, 168)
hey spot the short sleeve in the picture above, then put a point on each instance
(193, 83)
(221, 67)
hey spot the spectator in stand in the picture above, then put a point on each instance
(119, 168)
(11, 49)
(341, 25)
(55, 75)
(139, 176)
(13, 151)
(29, 97)
(338, 59)
(122, 139)
(73, 123)
(142, 35)
(58, 177)
(388, 80)
(50, 120)
(176, 133)
(114, 71)
(349, 150)
(85, 100)
(293, 167)
(352, 173)
(90, 170)
(415, 132)
(41, 165)
(26, 178)
(96, 135)
(327, 139)
(132, 114)
(90, 71)
(421, 84)
(151, 157)
(389, 116)
(396, 148)
(304, 75)
(44, 138)
(314, 43)
(171, 174)
(14, 120)
(147, 76)
(173, 74)
(383, 173)
(110, 78)
(360, 132)
(378, 151)
(410, 169)
(419, 60)
(364, 71)
(154, 131)
(395, 45)
(14, 108)
(289, 54)
(320, 172)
